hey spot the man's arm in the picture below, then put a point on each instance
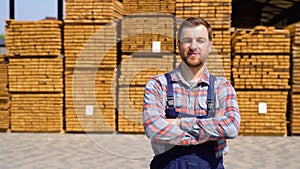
(157, 128)
(224, 125)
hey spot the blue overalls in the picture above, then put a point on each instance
(200, 156)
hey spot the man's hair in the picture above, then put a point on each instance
(193, 22)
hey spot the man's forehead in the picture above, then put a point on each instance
(199, 31)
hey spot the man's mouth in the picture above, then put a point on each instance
(192, 54)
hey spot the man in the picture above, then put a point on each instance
(196, 138)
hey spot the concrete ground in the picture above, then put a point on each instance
(128, 151)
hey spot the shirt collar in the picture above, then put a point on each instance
(176, 75)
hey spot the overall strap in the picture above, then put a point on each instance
(170, 109)
(211, 98)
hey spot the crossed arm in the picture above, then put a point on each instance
(189, 131)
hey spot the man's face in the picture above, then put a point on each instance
(194, 45)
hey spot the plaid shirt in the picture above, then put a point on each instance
(190, 101)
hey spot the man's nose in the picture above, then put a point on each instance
(193, 45)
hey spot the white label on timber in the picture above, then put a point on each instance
(262, 108)
(156, 46)
(89, 110)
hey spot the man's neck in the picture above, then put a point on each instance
(192, 74)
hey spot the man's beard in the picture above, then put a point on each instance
(199, 62)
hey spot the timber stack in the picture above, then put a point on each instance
(147, 49)
(90, 38)
(261, 79)
(294, 99)
(4, 95)
(35, 72)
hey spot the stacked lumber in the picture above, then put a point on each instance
(4, 95)
(90, 60)
(135, 71)
(35, 75)
(295, 78)
(295, 113)
(261, 39)
(261, 58)
(33, 38)
(93, 11)
(295, 53)
(132, 7)
(260, 71)
(216, 12)
(273, 122)
(138, 33)
(90, 88)
(90, 46)
(36, 112)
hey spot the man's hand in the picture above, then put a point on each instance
(220, 113)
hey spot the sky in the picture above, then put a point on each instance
(27, 10)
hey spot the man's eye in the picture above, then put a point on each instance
(187, 41)
(201, 41)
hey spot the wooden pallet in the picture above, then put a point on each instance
(33, 38)
(35, 74)
(271, 123)
(89, 46)
(139, 32)
(85, 88)
(37, 112)
(132, 7)
(93, 11)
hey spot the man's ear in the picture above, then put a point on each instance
(178, 44)
(210, 46)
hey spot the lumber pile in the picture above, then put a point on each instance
(295, 53)
(295, 78)
(40, 112)
(35, 72)
(261, 74)
(139, 32)
(140, 61)
(261, 58)
(93, 11)
(261, 39)
(135, 71)
(33, 38)
(90, 41)
(89, 46)
(132, 7)
(295, 113)
(216, 12)
(89, 100)
(273, 122)
(4, 95)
